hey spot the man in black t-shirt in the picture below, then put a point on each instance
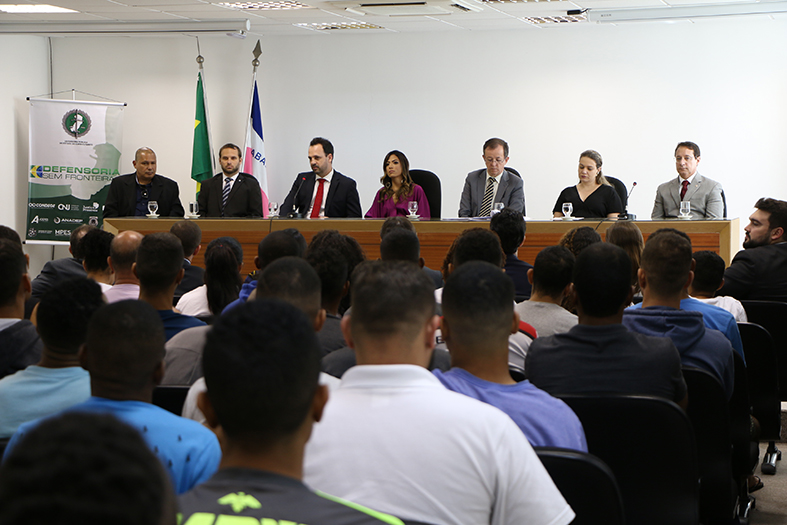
(261, 364)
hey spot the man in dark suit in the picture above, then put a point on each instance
(759, 271)
(243, 195)
(65, 268)
(129, 194)
(483, 188)
(336, 194)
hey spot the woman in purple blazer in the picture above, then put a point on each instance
(398, 190)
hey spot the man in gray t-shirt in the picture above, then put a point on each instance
(551, 280)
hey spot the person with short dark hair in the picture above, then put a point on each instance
(129, 194)
(65, 268)
(401, 223)
(332, 268)
(323, 191)
(159, 268)
(57, 381)
(122, 256)
(223, 262)
(20, 345)
(78, 469)
(551, 280)
(704, 194)
(759, 271)
(600, 355)
(261, 365)
(96, 249)
(393, 438)
(351, 250)
(476, 333)
(708, 278)
(665, 275)
(510, 226)
(230, 193)
(577, 239)
(124, 352)
(190, 236)
(483, 188)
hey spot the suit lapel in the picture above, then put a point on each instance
(480, 185)
(131, 203)
(236, 187)
(335, 182)
(502, 186)
(674, 191)
(694, 187)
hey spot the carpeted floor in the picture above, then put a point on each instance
(771, 507)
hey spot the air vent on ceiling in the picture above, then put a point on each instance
(273, 5)
(553, 20)
(337, 26)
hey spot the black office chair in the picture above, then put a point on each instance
(745, 451)
(709, 415)
(431, 185)
(649, 444)
(587, 484)
(512, 170)
(170, 398)
(620, 188)
(724, 201)
(763, 374)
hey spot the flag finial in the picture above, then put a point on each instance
(257, 52)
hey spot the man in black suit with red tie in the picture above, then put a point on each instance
(230, 193)
(322, 192)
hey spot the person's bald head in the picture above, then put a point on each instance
(123, 250)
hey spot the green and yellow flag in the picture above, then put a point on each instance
(202, 156)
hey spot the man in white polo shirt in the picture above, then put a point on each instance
(394, 439)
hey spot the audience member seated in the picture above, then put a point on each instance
(122, 255)
(714, 317)
(628, 236)
(394, 223)
(57, 381)
(398, 191)
(84, 468)
(759, 271)
(551, 280)
(600, 355)
(331, 266)
(510, 226)
(223, 262)
(261, 367)
(577, 239)
(19, 341)
(65, 268)
(12, 235)
(95, 248)
(665, 275)
(159, 268)
(476, 333)
(352, 251)
(708, 278)
(394, 439)
(190, 236)
(124, 354)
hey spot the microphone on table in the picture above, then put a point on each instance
(626, 215)
(294, 214)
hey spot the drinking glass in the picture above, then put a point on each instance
(567, 209)
(412, 208)
(193, 209)
(273, 209)
(498, 208)
(152, 207)
(685, 208)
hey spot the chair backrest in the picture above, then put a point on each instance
(762, 372)
(170, 398)
(743, 461)
(431, 185)
(709, 415)
(771, 315)
(512, 170)
(620, 188)
(649, 444)
(587, 484)
(724, 201)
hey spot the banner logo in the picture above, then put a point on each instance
(76, 123)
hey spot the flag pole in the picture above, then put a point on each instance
(254, 161)
(200, 61)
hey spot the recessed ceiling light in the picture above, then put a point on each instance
(273, 5)
(328, 26)
(34, 8)
(554, 20)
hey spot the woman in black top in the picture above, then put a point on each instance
(593, 196)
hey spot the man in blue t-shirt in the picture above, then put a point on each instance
(476, 332)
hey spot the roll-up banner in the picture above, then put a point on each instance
(74, 154)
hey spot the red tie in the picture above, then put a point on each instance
(318, 200)
(683, 189)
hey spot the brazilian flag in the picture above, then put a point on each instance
(201, 158)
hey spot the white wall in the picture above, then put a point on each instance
(631, 92)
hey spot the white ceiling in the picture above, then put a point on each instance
(492, 15)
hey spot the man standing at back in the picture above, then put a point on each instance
(394, 439)
(703, 193)
(129, 194)
(759, 271)
(483, 188)
(322, 192)
(230, 193)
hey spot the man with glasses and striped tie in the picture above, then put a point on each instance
(484, 188)
(230, 193)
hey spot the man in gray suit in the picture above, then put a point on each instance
(703, 193)
(483, 188)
